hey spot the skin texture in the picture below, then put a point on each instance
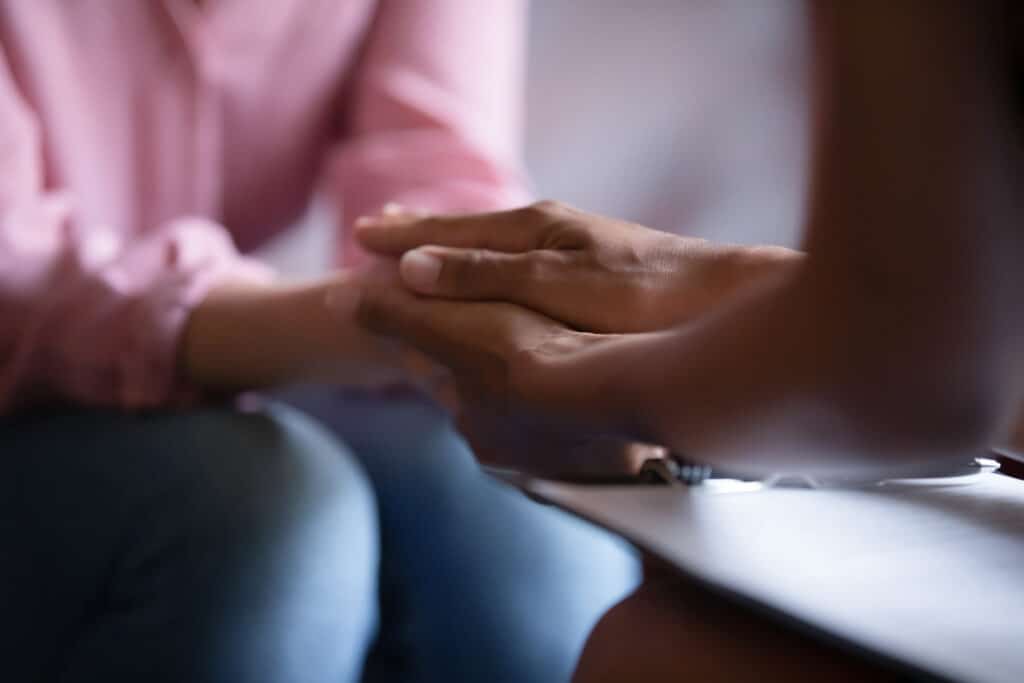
(299, 338)
(885, 348)
(591, 272)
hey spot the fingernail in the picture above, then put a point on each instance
(420, 270)
(364, 222)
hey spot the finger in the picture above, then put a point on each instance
(441, 329)
(484, 275)
(476, 339)
(549, 453)
(509, 231)
(600, 458)
(550, 282)
(396, 210)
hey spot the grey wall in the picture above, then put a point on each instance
(687, 115)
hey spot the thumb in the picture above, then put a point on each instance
(475, 274)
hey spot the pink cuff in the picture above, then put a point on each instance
(107, 326)
(199, 256)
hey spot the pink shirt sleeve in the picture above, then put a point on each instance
(92, 314)
(434, 111)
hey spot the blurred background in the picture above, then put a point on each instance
(685, 115)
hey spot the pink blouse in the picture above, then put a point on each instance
(143, 145)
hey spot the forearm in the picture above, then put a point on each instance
(744, 388)
(890, 345)
(246, 336)
(772, 385)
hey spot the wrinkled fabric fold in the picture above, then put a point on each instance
(145, 146)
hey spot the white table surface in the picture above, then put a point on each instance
(932, 576)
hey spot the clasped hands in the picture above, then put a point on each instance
(512, 303)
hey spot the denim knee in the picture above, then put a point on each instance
(478, 582)
(304, 539)
(227, 546)
(289, 519)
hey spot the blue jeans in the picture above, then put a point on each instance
(210, 546)
(478, 583)
(222, 546)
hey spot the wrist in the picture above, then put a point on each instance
(246, 336)
(593, 384)
(743, 265)
(705, 276)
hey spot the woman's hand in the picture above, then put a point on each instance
(522, 402)
(594, 273)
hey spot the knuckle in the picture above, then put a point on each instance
(527, 215)
(528, 268)
(549, 264)
(557, 225)
(546, 207)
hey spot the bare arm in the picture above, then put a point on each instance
(894, 338)
(889, 344)
(247, 336)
